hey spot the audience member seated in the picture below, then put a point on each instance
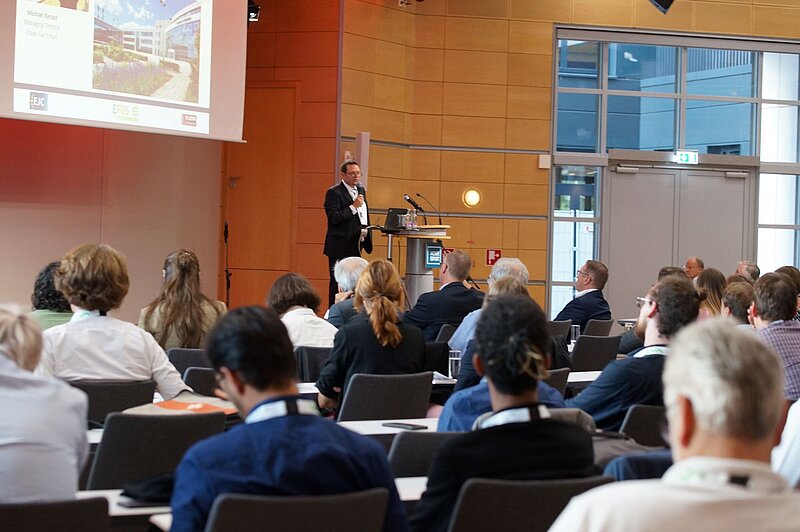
(49, 306)
(749, 270)
(451, 302)
(589, 303)
(736, 301)
(771, 313)
(724, 404)
(283, 447)
(794, 274)
(670, 305)
(181, 315)
(296, 301)
(518, 441)
(736, 278)
(376, 340)
(639, 465)
(504, 267)
(693, 267)
(346, 273)
(93, 345)
(786, 456)
(711, 284)
(43, 427)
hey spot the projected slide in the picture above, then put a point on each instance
(140, 62)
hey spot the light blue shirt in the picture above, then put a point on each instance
(465, 331)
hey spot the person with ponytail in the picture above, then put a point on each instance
(43, 427)
(374, 341)
(181, 315)
(519, 439)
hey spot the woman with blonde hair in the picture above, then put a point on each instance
(376, 340)
(711, 284)
(43, 427)
(181, 315)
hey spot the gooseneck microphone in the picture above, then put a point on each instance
(432, 206)
(413, 203)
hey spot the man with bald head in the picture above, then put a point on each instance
(693, 267)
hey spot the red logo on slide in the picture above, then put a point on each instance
(189, 120)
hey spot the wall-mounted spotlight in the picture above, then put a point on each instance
(471, 197)
(662, 5)
(253, 11)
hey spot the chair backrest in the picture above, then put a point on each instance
(386, 396)
(310, 361)
(646, 424)
(201, 380)
(598, 327)
(183, 358)
(445, 332)
(558, 379)
(559, 328)
(575, 416)
(531, 505)
(436, 357)
(106, 397)
(361, 510)
(592, 353)
(136, 447)
(411, 453)
(65, 516)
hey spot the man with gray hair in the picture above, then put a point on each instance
(346, 272)
(725, 406)
(505, 267)
(749, 270)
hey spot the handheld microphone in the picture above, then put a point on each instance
(432, 206)
(413, 203)
(360, 190)
(225, 232)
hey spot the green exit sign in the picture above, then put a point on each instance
(686, 157)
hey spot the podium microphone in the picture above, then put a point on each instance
(432, 206)
(413, 203)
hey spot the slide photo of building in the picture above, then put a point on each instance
(77, 5)
(148, 48)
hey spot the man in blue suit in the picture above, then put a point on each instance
(451, 302)
(589, 303)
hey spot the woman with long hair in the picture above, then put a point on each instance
(376, 340)
(711, 283)
(181, 315)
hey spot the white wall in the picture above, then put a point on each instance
(144, 194)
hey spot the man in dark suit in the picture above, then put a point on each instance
(451, 302)
(518, 440)
(589, 303)
(348, 216)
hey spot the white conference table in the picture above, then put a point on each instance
(375, 427)
(409, 489)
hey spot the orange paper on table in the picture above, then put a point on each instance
(198, 408)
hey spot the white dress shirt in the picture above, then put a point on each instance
(306, 328)
(42, 436)
(91, 346)
(699, 493)
(362, 211)
(786, 456)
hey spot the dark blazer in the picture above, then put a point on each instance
(591, 306)
(341, 312)
(537, 450)
(448, 305)
(356, 350)
(344, 227)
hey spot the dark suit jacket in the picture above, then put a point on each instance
(536, 450)
(344, 227)
(341, 312)
(591, 306)
(448, 305)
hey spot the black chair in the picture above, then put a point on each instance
(363, 510)
(598, 327)
(445, 332)
(136, 447)
(593, 353)
(65, 516)
(512, 500)
(201, 380)
(436, 357)
(310, 361)
(558, 379)
(106, 396)
(386, 397)
(184, 358)
(411, 453)
(646, 424)
(559, 328)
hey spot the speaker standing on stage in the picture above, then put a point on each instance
(348, 217)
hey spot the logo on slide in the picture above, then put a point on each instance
(38, 101)
(189, 120)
